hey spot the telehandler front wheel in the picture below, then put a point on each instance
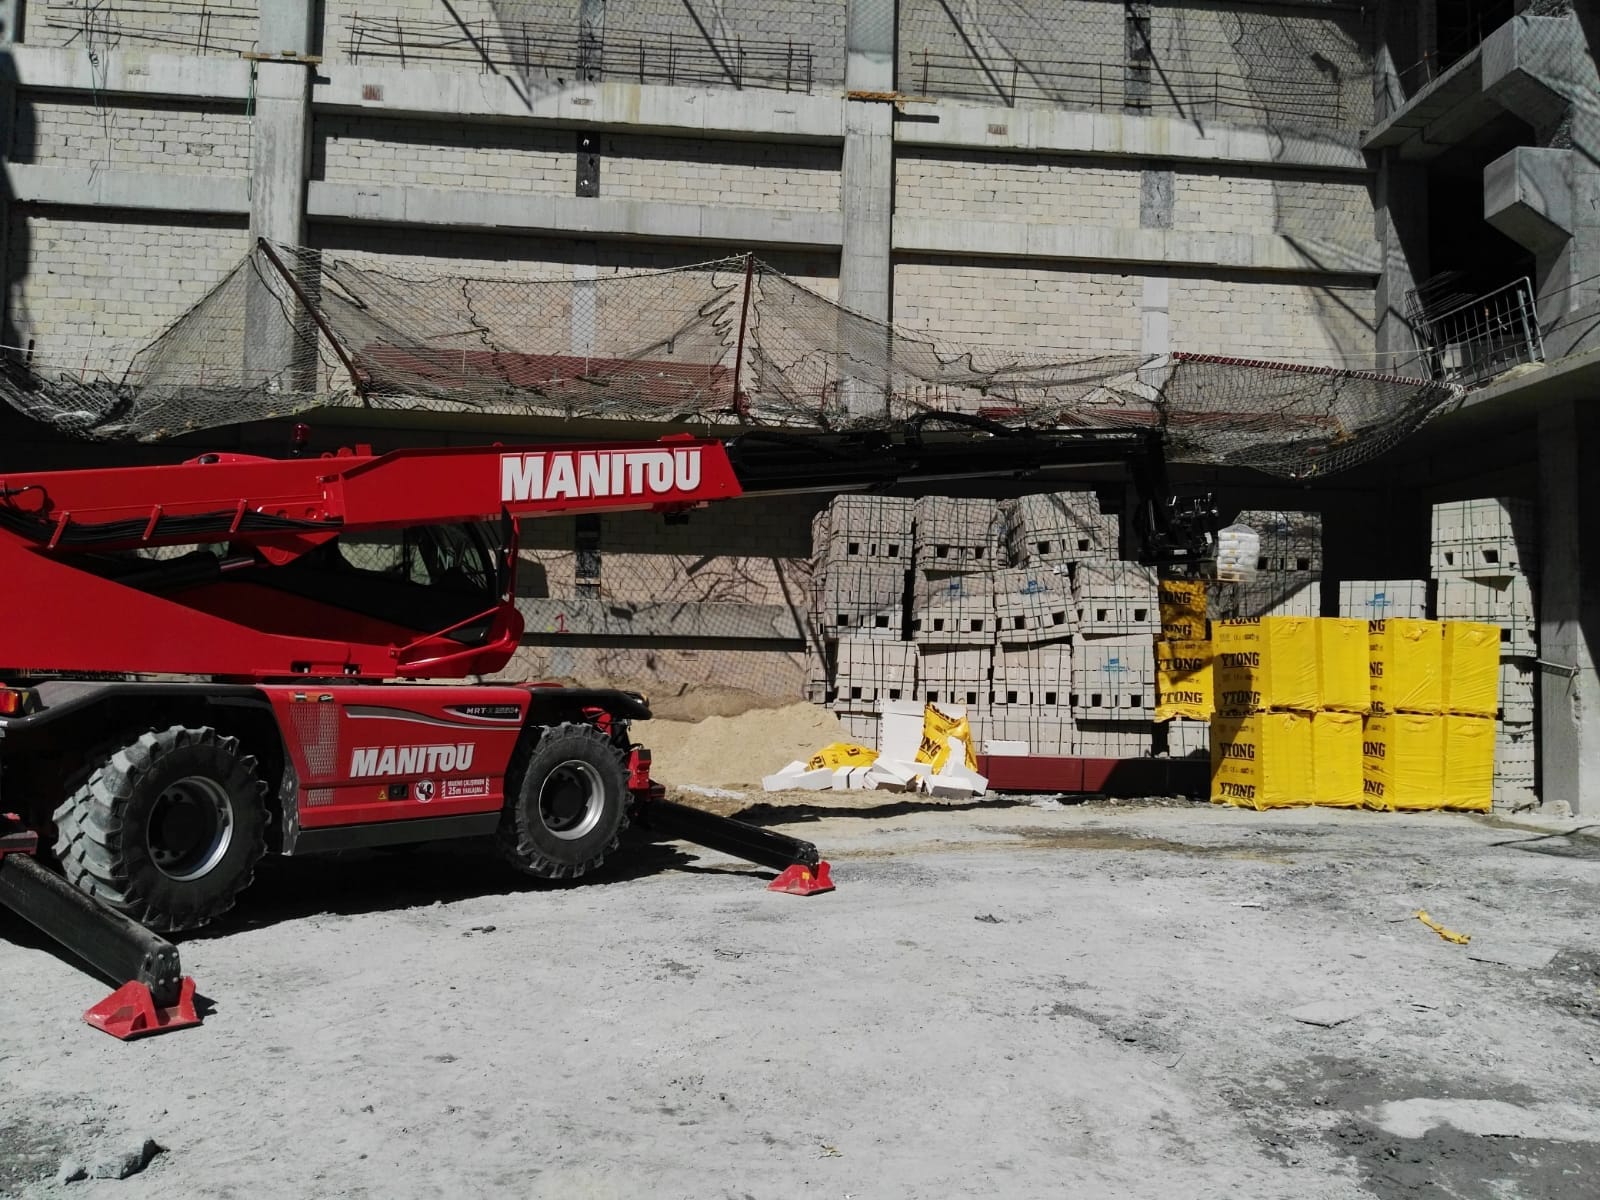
(168, 829)
(568, 810)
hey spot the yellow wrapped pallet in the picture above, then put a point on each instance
(1342, 665)
(1236, 648)
(1470, 669)
(1265, 665)
(1183, 610)
(1406, 665)
(1261, 761)
(1469, 763)
(1183, 681)
(1336, 771)
(1402, 761)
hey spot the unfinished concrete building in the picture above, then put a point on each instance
(1295, 181)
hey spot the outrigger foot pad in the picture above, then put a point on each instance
(801, 880)
(131, 1012)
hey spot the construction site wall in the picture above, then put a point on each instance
(91, 283)
(137, 179)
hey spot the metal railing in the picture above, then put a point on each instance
(1473, 342)
(571, 53)
(1121, 85)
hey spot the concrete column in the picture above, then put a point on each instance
(280, 165)
(1569, 608)
(867, 179)
(868, 198)
(1401, 220)
(10, 33)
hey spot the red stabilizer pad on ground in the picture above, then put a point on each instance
(130, 1012)
(802, 881)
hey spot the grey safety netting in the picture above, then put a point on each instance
(730, 342)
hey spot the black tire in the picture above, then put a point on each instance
(168, 829)
(569, 807)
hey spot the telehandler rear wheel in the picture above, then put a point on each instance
(168, 829)
(570, 807)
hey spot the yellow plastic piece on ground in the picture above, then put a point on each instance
(1342, 665)
(1336, 775)
(1470, 669)
(1262, 760)
(937, 730)
(1266, 664)
(1402, 761)
(841, 754)
(1406, 665)
(1469, 762)
(1183, 681)
(1183, 610)
(1449, 935)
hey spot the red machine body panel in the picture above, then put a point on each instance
(395, 752)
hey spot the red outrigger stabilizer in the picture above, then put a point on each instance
(157, 996)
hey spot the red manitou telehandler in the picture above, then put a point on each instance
(208, 662)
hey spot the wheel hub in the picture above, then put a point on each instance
(571, 800)
(190, 828)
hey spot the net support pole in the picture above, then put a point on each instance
(358, 377)
(739, 405)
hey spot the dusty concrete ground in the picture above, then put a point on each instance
(1005, 1000)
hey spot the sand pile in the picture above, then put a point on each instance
(736, 751)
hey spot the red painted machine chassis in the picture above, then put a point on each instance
(365, 753)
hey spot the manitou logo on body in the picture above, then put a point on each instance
(574, 474)
(410, 760)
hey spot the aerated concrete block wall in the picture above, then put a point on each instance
(165, 135)
(91, 286)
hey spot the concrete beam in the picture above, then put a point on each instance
(1527, 195)
(1156, 247)
(1062, 131)
(473, 95)
(575, 621)
(1530, 64)
(594, 217)
(146, 190)
(132, 73)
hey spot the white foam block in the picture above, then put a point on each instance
(945, 787)
(997, 748)
(955, 772)
(893, 772)
(900, 730)
(807, 781)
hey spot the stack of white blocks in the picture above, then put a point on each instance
(1021, 616)
(1062, 527)
(952, 619)
(1288, 579)
(1380, 599)
(862, 551)
(1485, 559)
(1114, 665)
(957, 535)
(1031, 696)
